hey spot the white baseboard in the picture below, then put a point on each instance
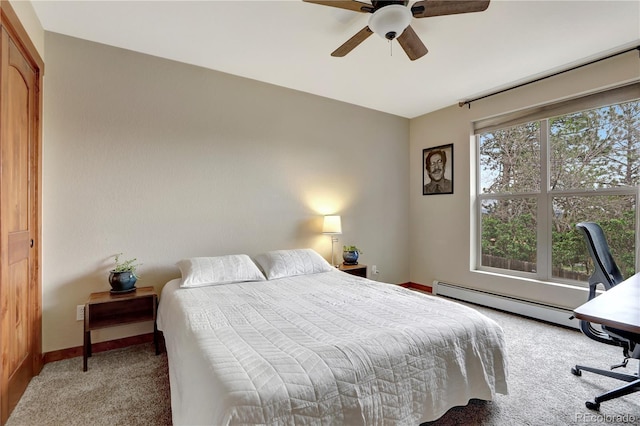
(526, 308)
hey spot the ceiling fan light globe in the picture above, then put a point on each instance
(390, 21)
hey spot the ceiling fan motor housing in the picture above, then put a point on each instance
(377, 4)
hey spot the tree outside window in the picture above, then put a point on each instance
(538, 179)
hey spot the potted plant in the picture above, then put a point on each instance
(350, 255)
(123, 276)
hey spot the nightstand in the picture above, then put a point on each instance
(358, 270)
(106, 309)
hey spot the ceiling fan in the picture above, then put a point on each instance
(390, 19)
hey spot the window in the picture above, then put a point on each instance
(542, 171)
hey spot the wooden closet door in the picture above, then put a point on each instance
(19, 298)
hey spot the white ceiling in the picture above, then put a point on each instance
(288, 43)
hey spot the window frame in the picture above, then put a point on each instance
(544, 196)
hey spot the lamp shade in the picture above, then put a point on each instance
(390, 21)
(332, 225)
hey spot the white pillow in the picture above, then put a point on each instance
(288, 263)
(202, 271)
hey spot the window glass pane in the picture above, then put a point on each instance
(509, 234)
(598, 148)
(510, 159)
(614, 213)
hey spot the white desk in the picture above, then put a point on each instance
(618, 307)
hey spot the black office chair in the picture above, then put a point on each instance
(608, 274)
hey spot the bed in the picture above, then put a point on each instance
(296, 341)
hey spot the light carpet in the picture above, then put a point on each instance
(127, 386)
(131, 387)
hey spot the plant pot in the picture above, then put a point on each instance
(122, 282)
(350, 257)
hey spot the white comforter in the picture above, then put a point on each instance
(326, 348)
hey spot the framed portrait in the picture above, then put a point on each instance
(437, 170)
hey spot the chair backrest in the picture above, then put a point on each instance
(606, 271)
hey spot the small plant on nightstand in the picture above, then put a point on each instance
(350, 255)
(123, 276)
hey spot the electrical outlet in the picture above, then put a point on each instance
(79, 312)
(374, 269)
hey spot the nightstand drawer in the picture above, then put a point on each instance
(120, 312)
(358, 270)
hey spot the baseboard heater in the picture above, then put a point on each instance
(552, 314)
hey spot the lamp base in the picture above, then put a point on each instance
(334, 239)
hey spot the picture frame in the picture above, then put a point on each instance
(437, 170)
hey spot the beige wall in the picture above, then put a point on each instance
(442, 228)
(162, 160)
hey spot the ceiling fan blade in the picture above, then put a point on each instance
(356, 6)
(426, 8)
(353, 42)
(412, 44)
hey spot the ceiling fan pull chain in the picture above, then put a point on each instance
(390, 48)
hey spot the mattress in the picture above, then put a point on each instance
(327, 348)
